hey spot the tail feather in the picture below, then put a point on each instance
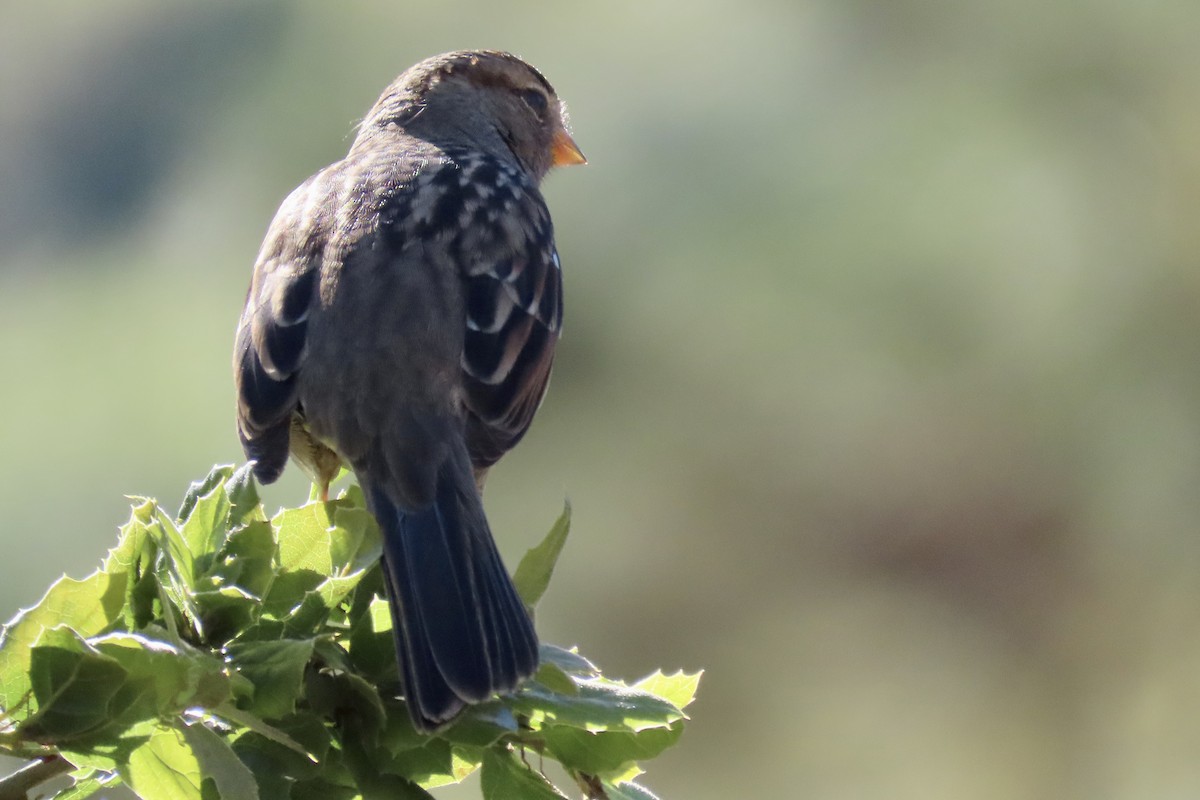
(436, 703)
(462, 633)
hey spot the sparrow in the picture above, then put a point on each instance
(402, 319)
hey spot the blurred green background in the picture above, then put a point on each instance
(879, 397)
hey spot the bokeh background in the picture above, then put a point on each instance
(879, 397)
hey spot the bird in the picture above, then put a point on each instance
(402, 320)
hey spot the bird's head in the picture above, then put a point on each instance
(485, 99)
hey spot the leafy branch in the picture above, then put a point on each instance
(219, 653)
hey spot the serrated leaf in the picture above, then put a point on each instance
(503, 777)
(224, 612)
(607, 752)
(168, 677)
(313, 551)
(306, 618)
(437, 764)
(303, 538)
(243, 497)
(679, 688)
(465, 761)
(88, 606)
(271, 733)
(179, 563)
(276, 668)
(164, 768)
(599, 705)
(133, 545)
(217, 476)
(110, 748)
(482, 725)
(533, 573)
(625, 776)
(429, 765)
(218, 762)
(248, 559)
(204, 529)
(277, 766)
(73, 685)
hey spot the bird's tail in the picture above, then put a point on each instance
(462, 632)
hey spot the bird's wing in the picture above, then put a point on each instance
(271, 339)
(513, 297)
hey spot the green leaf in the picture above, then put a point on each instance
(164, 768)
(88, 606)
(87, 783)
(276, 668)
(371, 645)
(569, 661)
(248, 559)
(225, 612)
(606, 752)
(278, 766)
(599, 705)
(109, 748)
(506, 778)
(346, 697)
(533, 573)
(73, 685)
(217, 476)
(179, 563)
(482, 725)
(163, 678)
(463, 762)
(217, 760)
(103, 670)
(271, 733)
(555, 679)
(133, 545)
(430, 765)
(333, 538)
(356, 545)
(305, 543)
(678, 688)
(204, 528)
(243, 497)
(314, 608)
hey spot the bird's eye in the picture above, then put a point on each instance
(536, 101)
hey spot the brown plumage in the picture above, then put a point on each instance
(402, 319)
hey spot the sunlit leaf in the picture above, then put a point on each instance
(505, 778)
(598, 705)
(217, 761)
(73, 685)
(164, 768)
(606, 752)
(679, 687)
(533, 573)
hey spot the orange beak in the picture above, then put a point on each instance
(564, 151)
